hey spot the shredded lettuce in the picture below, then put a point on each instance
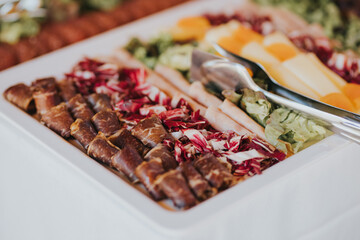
(285, 129)
(292, 128)
(177, 57)
(149, 52)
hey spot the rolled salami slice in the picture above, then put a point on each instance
(79, 108)
(58, 119)
(162, 152)
(213, 171)
(198, 92)
(175, 187)
(242, 118)
(174, 77)
(83, 131)
(150, 131)
(99, 102)
(197, 183)
(224, 123)
(45, 83)
(106, 122)
(67, 89)
(45, 94)
(102, 149)
(124, 137)
(20, 95)
(126, 160)
(147, 173)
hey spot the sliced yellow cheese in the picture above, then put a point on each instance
(224, 30)
(277, 37)
(311, 75)
(287, 79)
(336, 79)
(257, 53)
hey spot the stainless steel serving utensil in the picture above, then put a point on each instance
(220, 74)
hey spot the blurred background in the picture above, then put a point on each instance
(30, 28)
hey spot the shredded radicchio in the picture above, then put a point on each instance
(136, 99)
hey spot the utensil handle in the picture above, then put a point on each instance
(347, 128)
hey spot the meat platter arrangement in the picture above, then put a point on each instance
(156, 138)
(137, 113)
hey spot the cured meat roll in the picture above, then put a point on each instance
(124, 137)
(175, 187)
(126, 160)
(83, 131)
(20, 95)
(79, 108)
(197, 183)
(67, 89)
(213, 171)
(102, 149)
(99, 102)
(147, 173)
(106, 122)
(58, 119)
(150, 131)
(45, 94)
(167, 159)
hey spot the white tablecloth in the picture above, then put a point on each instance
(41, 198)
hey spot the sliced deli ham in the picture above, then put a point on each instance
(99, 102)
(197, 183)
(124, 137)
(242, 118)
(102, 149)
(213, 171)
(147, 173)
(20, 95)
(221, 122)
(198, 92)
(45, 94)
(79, 108)
(126, 160)
(83, 131)
(67, 89)
(150, 131)
(106, 122)
(58, 119)
(166, 157)
(175, 187)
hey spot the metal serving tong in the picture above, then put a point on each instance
(219, 74)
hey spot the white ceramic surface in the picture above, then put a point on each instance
(224, 206)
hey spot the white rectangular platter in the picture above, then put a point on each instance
(59, 62)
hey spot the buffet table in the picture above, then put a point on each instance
(42, 199)
(313, 195)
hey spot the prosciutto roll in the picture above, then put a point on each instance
(106, 122)
(213, 171)
(99, 102)
(150, 131)
(102, 149)
(58, 119)
(147, 173)
(167, 159)
(83, 131)
(123, 137)
(175, 187)
(45, 94)
(67, 89)
(79, 108)
(197, 183)
(126, 160)
(20, 95)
